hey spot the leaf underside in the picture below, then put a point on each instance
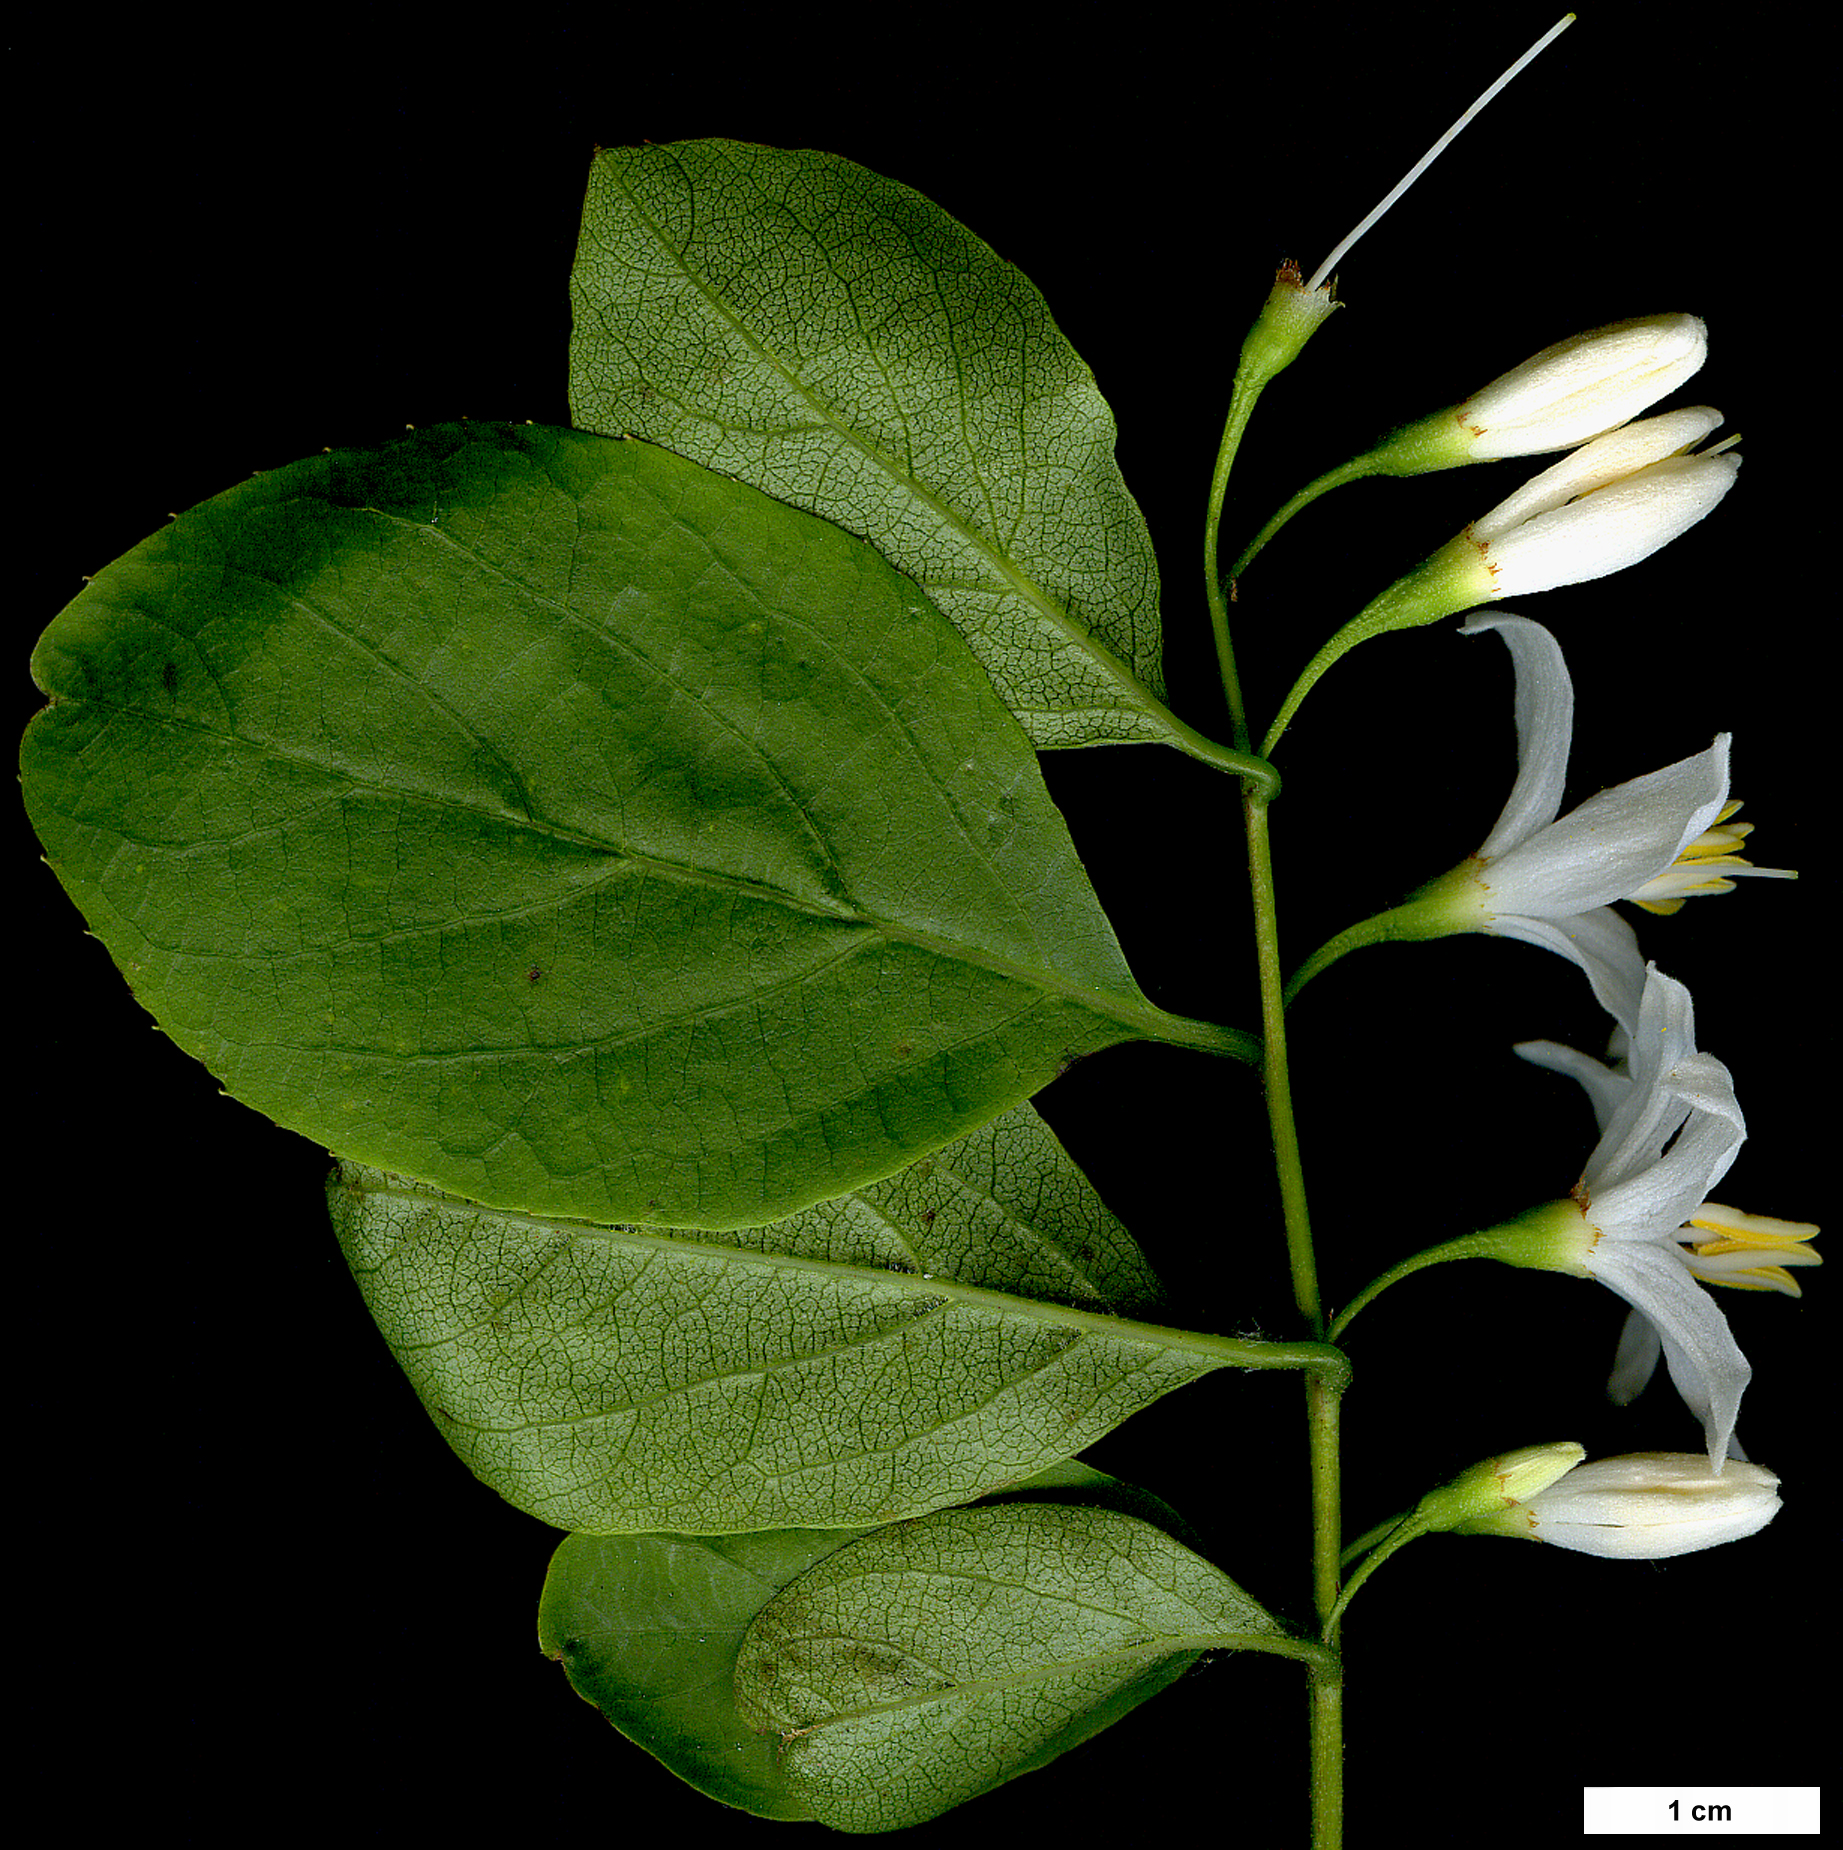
(900, 1348)
(648, 1628)
(842, 343)
(567, 826)
(930, 1661)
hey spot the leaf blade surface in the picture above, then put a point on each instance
(890, 1351)
(927, 1662)
(841, 342)
(648, 1627)
(568, 826)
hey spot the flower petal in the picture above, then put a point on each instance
(1653, 1505)
(1635, 1360)
(1584, 385)
(1611, 528)
(1653, 1203)
(1600, 942)
(1594, 465)
(1704, 1360)
(1545, 726)
(1613, 843)
(1607, 1089)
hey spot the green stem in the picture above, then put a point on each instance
(1352, 938)
(1241, 406)
(1323, 1402)
(1454, 902)
(1352, 471)
(1288, 319)
(1242, 763)
(1328, 1757)
(1274, 1069)
(1452, 579)
(1509, 1242)
(1323, 1390)
(1403, 1531)
(1324, 1394)
(1370, 1537)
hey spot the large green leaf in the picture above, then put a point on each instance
(564, 824)
(648, 1627)
(836, 339)
(918, 1342)
(930, 1661)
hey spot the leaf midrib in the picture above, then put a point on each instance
(1144, 1019)
(1165, 1645)
(934, 1291)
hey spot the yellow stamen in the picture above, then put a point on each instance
(1714, 847)
(1750, 1233)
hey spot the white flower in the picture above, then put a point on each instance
(1647, 1506)
(1670, 1130)
(1579, 388)
(1655, 840)
(1605, 506)
(1652, 840)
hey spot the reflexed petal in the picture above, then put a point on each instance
(1700, 1080)
(1662, 1034)
(1635, 1360)
(1643, 1122)
(1545, 725)
(1614, 842)
(1605, 1088)
(1600, 942)
(1655, 1201)
(1704, 1360)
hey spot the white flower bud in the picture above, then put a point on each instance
(1644, 1507)
(1610, 504)
(1579, 388)
(1582, 386)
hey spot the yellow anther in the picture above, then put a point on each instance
(1691, 872)
(1716, 1262)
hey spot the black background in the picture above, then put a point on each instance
(264, 1594)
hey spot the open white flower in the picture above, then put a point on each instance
(1670, 1128)
(1647, 1506)
(1716, 1244)
(1655, 840)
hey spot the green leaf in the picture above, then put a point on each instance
(836, 339)
(647, 1628)
(930, 1661)
(918, 1342)
(568, 826)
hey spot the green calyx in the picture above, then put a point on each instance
(1484, 1491)
(1438, 441)
(1289, 318)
